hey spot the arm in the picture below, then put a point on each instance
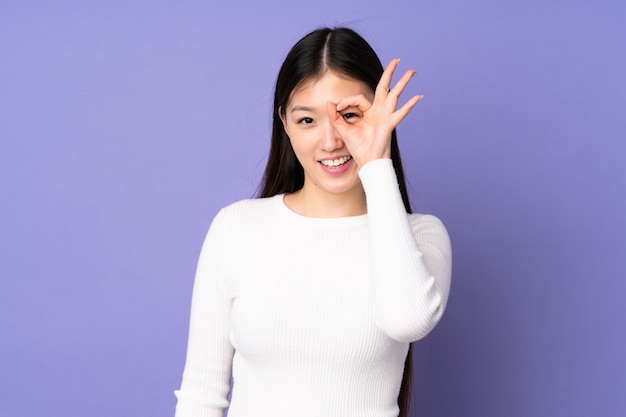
(206, 377)
(411, 258)
(410, 254)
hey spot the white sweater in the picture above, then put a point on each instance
(312, 317)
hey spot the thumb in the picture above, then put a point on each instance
(339, 123)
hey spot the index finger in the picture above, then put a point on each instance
(359, 101)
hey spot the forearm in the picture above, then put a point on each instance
(410, 265)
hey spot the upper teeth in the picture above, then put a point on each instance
(336, 162)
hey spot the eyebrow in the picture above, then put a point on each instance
(302, 108)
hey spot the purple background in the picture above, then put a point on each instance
(125, 126)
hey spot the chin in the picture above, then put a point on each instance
(344, 188)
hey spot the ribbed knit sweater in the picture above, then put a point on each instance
(312, 317)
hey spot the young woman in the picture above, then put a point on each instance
(309, 296)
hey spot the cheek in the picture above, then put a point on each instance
(301, 140)
(297, 148)
(303, 147)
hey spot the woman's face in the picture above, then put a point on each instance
(328, 165)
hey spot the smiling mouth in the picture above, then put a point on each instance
(335, 163)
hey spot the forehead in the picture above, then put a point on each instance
(329, 87)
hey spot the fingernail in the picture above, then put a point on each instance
(414, 73)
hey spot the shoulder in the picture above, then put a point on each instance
(428, 229)
(248, 206)
(419, 220)
(244, 212)
(236, 221)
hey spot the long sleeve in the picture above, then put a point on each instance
(311, 316)
(206, 377)
(411, 258)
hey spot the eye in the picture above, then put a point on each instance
(350, 117)
(305, 121)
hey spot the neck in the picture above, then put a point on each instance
(316, 203)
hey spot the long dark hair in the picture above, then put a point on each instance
(345, 52)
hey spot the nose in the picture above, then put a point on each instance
(331, 140)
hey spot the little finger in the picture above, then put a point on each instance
(403, 111)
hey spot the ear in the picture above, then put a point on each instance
(283, 119)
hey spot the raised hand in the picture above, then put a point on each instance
(366, 126)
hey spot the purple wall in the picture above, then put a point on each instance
(123, 129)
